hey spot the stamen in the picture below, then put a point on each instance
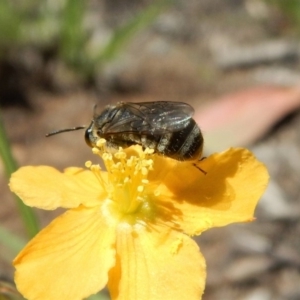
(88, 164)
(140, 188)
(149, 151)
(96, 169)
(127, 180)
(156, 193)
(144, 171)
(96, 151)
(101, 143)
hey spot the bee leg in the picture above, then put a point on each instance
(204, 172)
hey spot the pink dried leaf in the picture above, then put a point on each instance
(240, 118)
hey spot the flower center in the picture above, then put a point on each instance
(127, 184)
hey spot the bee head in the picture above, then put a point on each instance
(99, 124)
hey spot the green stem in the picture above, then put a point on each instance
(10, 165)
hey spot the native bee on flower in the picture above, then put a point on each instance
(164, 126)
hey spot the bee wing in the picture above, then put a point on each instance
(151, 117)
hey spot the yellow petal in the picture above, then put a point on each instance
(47, 188)
(228, 193)
(69, 259)
(156, 264)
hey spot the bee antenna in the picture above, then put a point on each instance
(65, 130)
(94, 110)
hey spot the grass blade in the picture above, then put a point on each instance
(122, 36)
(10, 166)
(12, 242)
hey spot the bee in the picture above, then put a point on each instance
(164, 126)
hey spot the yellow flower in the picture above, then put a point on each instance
(128, 228)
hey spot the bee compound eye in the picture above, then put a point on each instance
(87, 137)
